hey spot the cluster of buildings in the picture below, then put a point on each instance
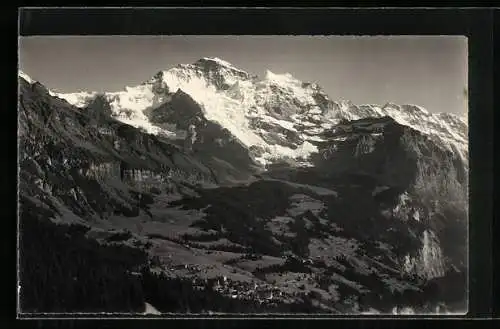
(262, 293)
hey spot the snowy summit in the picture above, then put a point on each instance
(244, 104)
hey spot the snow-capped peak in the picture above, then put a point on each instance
(285, 78)
(21, 74)
(220, 61)
(25, 77)
(264, 113)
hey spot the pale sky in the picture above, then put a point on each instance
(429, 71)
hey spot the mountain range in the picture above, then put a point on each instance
(207, 189)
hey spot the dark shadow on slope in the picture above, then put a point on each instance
(210, 142)
(63, 271)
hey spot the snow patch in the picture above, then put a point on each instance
(150, 309)
(79, 99)
(416, 216)
(285, 78)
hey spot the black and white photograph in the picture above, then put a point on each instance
(243, 174)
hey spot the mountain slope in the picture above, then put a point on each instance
(374, 218)
(63, 148)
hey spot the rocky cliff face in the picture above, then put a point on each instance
(88, 159)
(250, 195)
(412, 178)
